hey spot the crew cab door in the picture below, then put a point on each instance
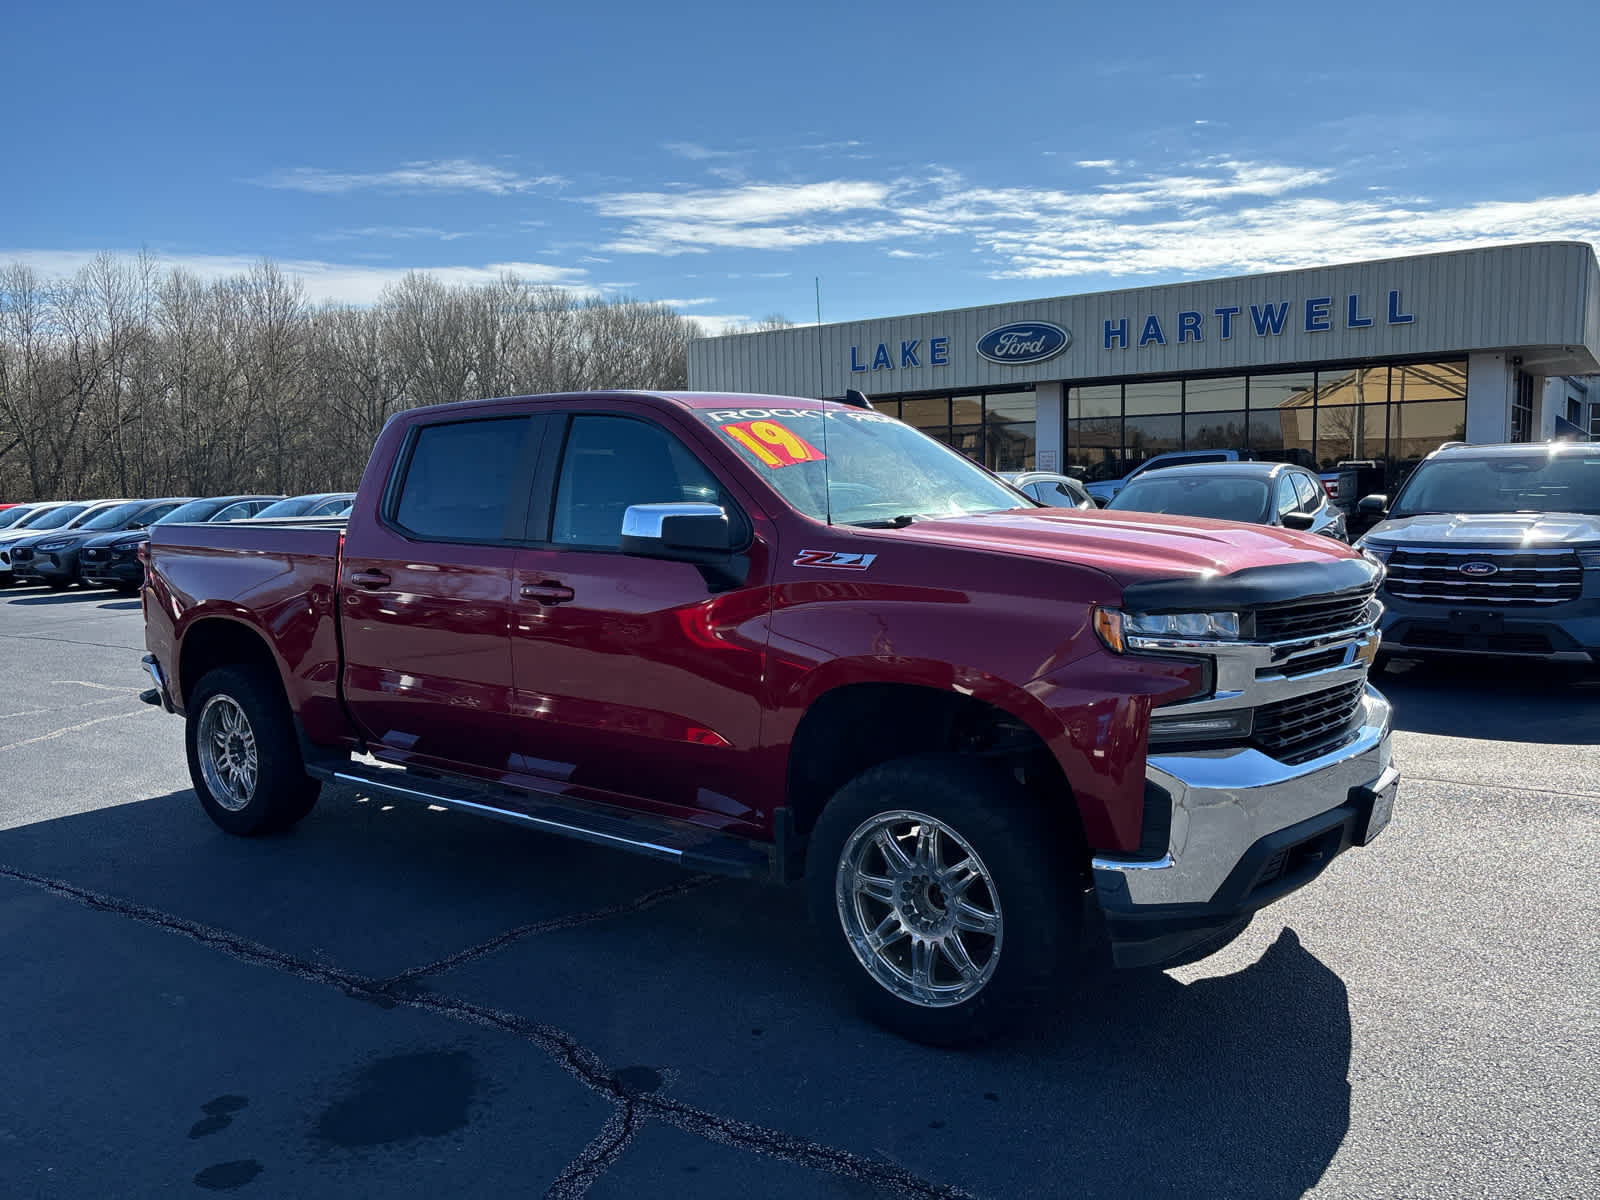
(425, 589)
(636, 684)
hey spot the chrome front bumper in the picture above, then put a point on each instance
(1238, 816)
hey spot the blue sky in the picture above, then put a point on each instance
(721, 156)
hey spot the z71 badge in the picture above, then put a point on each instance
(830, 558)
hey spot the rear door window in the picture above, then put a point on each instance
(467, 481)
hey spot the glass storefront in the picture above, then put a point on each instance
(995, 428)
(1392, 415)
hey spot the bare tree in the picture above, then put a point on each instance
(126, 379)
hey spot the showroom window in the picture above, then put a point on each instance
(1392, 415)
(997, 429)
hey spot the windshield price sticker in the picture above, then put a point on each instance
(772, 444)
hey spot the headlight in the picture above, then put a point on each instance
(1116, 628)
(130, 544)
(62, 544)
(1376, 550)
(1188, 626)
(1590, 559)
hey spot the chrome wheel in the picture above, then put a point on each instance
(227, 750)
(919, 908)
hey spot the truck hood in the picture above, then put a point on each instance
(1130, 547)
(1488, 530)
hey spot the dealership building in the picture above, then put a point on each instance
(1379, 361)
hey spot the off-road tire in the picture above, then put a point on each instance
(1028, 874)
(280, 792)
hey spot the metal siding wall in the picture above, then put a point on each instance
(1497, 297)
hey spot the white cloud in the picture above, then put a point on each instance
(687, 303)
(342, 283)
(1215, 216)
(696, 152)
(717, 325)
(740, 205)
(404, 232)
(1288, 233)
(444, 175)
(1104, 164)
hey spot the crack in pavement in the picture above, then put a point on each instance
(39, 637)
(550, 925)
(598, 1156)
(1510, 787)
(576, 1059)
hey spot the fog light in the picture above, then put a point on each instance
(1201, 727)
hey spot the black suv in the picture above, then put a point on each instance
(1493, 550)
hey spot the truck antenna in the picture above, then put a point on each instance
(822, 396)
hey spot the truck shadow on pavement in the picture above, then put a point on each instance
(1140, 1084)
(1516, 702)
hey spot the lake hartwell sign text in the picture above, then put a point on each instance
(1021, 343)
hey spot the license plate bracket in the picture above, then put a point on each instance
(1382, 810)
(1477, 622)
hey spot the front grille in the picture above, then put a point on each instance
(1521, 578)
(22, 554)
(1500, 643)
(1307, 618)
(1322, 660)
(93, 556)
(1294, 730)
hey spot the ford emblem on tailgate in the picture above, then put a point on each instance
(1478, 569)
(1024, 342)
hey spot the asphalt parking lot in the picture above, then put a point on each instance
(401, 1001)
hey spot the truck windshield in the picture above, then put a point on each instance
(877, 470)
(1537, 483)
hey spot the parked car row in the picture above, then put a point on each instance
(96, 542)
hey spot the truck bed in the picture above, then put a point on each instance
(277, 577)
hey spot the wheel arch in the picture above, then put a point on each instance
(218, 640)
(854, 726)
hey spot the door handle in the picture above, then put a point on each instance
(369, 579)
(547, 591)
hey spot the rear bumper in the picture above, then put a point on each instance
(1246, 830)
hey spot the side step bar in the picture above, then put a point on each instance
(689, 846)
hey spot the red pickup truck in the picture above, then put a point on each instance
(787, 639)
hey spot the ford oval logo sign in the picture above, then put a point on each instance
(1478, 570)
(1023, 342)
